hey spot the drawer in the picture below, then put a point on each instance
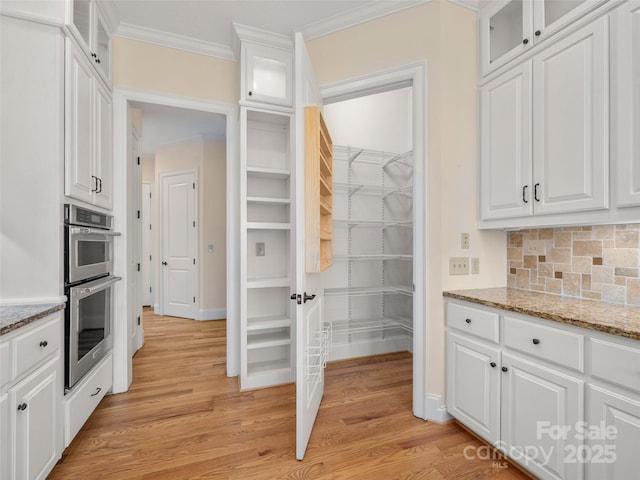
(85, 397)
(616, 363)
(35, 346)
(545, 342)
(473, 321)
(6, 367)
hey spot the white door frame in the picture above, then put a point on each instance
(161, 177)
(147, 250)
(415, 75)
(122, 366)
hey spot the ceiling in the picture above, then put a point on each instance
(207, 25)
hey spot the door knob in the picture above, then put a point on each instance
(308, 297)
(493, 364)
(165, 263)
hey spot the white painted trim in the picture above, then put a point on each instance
(263, 37)
(121, 96)
(190, 139)
(33, 301)
(436, 410)
(470, 4)
(173, 40)
(416, 75)
(218, 313)
(355, 16)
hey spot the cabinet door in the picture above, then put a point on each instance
(268, 75)
(571, 122)
(5, 437)
(37, 436)
(627, 102)
(550, 16)
(79, 182)
(505, 138)
(535, 399)
(505, 32)
(103, 166)
(473, 385)
(613, 456)
(102, 45)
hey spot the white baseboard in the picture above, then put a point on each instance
(436, 410)
(156, 309)
(212, 314)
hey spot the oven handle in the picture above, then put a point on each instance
(87, 230)
(84, 290)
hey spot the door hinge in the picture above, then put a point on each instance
(138, 319)
(194, 299)
(138, 160)
(194, 185)
(150, 257)
(149, 194)
(138, 267)
(194, 223)
(138, 213)
(194, 261)
(149, 226)
(150, 290)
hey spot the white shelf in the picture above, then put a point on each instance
(351, 223)
(263, 172)
(269, 367)
(377, 190)
(372, 325)
(266, 340)
(263, 323)
(268, 201)
(348, 258)
(363, 291)
(268, 282)
(268, 226)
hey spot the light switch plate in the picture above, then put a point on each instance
(458, 265)
(475, 265)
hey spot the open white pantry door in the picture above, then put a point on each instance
(310, 341)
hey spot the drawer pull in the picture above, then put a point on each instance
(97, 392)
(22, 407)
(468, 320)
(505, 369)
(493, 364)
(536, 341)
(44, 343)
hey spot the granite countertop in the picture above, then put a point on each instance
(13, 317)
(606, 317)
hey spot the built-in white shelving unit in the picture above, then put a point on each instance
(369, 288)
(266, 258)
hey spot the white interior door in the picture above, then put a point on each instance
(147, 246)
(178, 260)
(309, 313)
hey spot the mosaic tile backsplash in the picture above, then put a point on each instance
(599, 262)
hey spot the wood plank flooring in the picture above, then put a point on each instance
(184, 419)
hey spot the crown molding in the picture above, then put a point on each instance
(470, 4)
(257, 35)
(172, 40)
(355, 16)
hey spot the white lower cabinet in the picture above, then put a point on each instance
(535, 401)
(31, 400)
(545, 393)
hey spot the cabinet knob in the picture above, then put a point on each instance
(44, 343)
(536, 341)
(538, 32)
(22, 407)
(505, 369)
(468, 320)
(250, 93)
(165, 263)
(94, 55)
(525, 41)
(493, 364)
(97, 60)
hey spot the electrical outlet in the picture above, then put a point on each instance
(260, 249)
(210, 248)
(458, 265)
(464, 240)
(475, 266)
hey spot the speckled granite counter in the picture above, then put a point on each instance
(606, 317)
(13, 317)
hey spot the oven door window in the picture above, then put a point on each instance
(94, 313)
(92, 252)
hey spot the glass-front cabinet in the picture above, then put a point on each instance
(510, 27)
(93, 34)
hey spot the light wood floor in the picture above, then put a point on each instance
(183, 418)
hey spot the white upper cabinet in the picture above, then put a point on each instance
(506, 151)
(544, 131)
(510, 27)
(626, 102)
(267, 75)
(571, 122)
(91, 30)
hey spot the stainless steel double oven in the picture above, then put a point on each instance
(89, 247)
